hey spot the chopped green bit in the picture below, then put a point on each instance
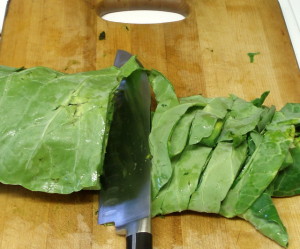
(109, 224)
(149, 156)
(251, 56)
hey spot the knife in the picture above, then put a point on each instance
(125, 194)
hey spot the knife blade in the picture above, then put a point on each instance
(125, 194)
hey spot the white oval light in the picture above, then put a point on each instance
(143, 16)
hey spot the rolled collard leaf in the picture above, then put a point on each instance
(181, 133)
(264, 217)
(175, 196)
(242, 119)
(205, 121)
(259, 172)
(219, 174)
(211, 140)
(161, 131)
(202, 126)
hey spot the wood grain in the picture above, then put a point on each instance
(206, 53)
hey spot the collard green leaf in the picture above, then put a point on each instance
(205, 121)
(289, 115)
(54, 127)
(258, 102)
(288, 161)
(259, 171)
(161, 131)
(218, 177)
(242, 119)
(287, 182)
(130, 66)
(181, 133)
(202, 126)
(219, 107)
(5, 71)
(199, 99)
(211, 140)
(175, 196)
(264, 217)
(266, 117)
(164, 93)
(254, 140)
(291, 111)
(237, 140)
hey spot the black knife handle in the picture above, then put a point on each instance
(140, 240)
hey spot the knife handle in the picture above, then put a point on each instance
(141, 240)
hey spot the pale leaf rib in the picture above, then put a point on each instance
(56, 113)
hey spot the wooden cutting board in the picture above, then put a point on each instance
(206, 53)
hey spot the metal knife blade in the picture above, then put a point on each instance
(125, 195)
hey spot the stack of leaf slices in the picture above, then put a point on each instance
(224, 155)
(219, 155)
